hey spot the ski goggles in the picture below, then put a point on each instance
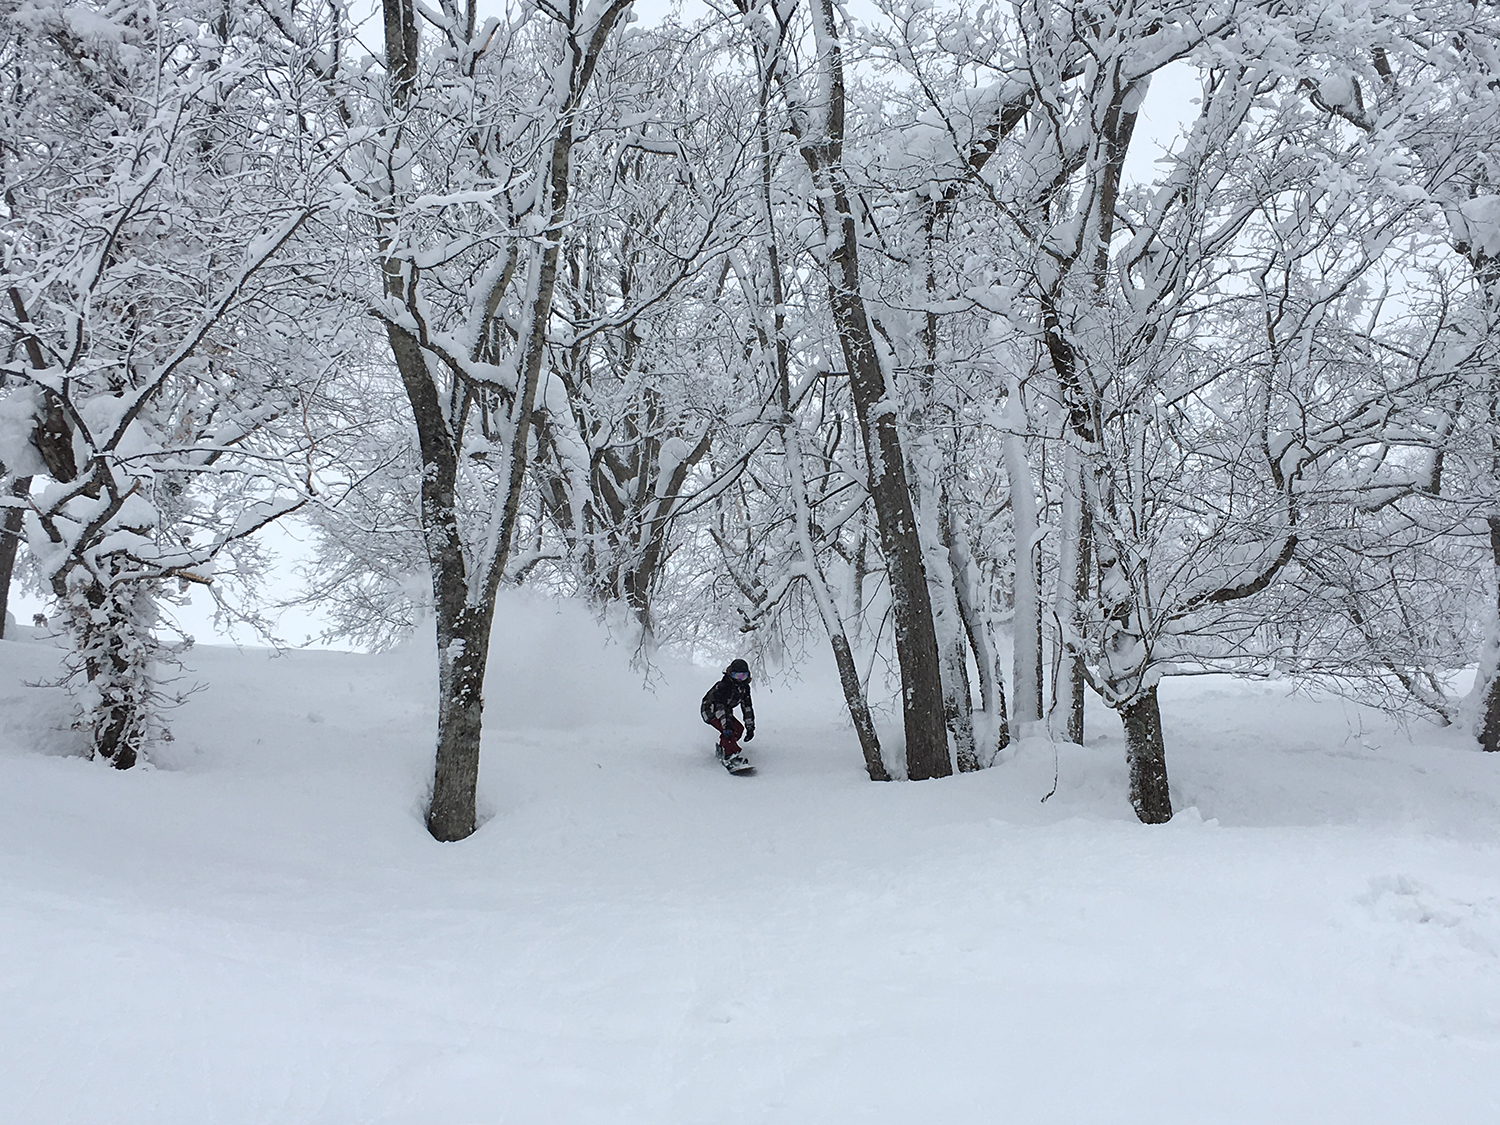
(740, 676)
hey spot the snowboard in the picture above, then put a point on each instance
(739, 765)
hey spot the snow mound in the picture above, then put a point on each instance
(260, 930)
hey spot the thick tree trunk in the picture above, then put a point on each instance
(1489, 720)
(463, 648)
(1146, 752)
(916, 638)
(10, 542)
(106, 631)
(876, 405)
(119, 738)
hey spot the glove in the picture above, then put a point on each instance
(749, 732)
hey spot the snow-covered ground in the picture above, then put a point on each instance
(260, 930)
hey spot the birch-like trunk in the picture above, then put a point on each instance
(933, 462)
(977, 629)
(947, 621)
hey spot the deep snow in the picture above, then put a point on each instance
(259, 930)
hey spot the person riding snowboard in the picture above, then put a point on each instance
(718, 712)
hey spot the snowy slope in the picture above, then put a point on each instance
(261, 931)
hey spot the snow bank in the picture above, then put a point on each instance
(260, 931)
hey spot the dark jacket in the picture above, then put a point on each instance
(724, 697)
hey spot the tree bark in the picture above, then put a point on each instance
(977, 629)
(10, 542)
(791, 440)
(1074, 562)
(1146, 752)
(464, 589)
(1489, 725)
(1064, 607)
(1026, 658)
(859, 708)
(1080, 621)
(875, 405)
(462, 629)
(104, 621)
(916, 638)
(857, 581)
(463, 649)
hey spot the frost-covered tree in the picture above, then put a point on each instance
(817, 111)
(627, 415)
(466, 177)
(149, 237)
(482, 160)
(1128, 312)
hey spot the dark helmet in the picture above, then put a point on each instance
(737, 665)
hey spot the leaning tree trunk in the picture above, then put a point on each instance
(791, 440)
(875, 407)
(833, 623)
(916, 638)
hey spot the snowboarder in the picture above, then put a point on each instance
(718, 712)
